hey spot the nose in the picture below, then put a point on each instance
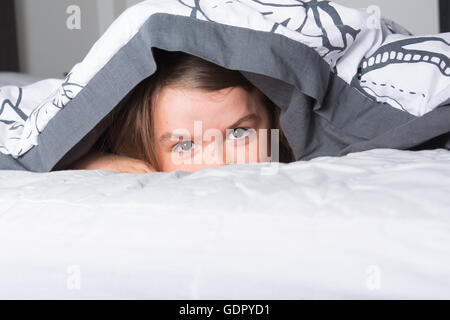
(214, 155)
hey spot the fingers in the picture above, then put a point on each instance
(149, 168)
(113, 162)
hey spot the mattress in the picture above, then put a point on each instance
(368, 225)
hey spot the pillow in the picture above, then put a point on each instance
(344, 81)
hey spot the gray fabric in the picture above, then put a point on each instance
(321, 114)
(411, 134)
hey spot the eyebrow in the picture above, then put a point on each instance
(168, 136)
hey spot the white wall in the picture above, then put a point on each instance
(418, 16)
(47, 48)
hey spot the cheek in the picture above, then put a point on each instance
(240, 152)
(253, 151)
(264, 146)
(168, 164)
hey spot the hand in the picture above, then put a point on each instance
(96, 160)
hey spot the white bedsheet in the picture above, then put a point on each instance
(373, 224)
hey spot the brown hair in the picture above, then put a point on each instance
(130, 131)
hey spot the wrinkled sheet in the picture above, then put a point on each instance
(372, 224)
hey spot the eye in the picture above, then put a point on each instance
(183, 146)
(238, 133)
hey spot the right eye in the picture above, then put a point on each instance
(239, 133)
(183, 146)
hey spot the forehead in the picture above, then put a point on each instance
(179, 107)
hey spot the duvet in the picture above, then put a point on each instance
(345, 81)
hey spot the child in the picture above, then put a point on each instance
(155, 127)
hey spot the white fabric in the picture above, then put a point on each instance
(17, 79)
(373, 224)
(344, 37)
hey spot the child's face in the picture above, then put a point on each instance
(206, 143)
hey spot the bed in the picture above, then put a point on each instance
(369, 225)
(372, 224)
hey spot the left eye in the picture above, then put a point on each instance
(184, 146)
(238, 133)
